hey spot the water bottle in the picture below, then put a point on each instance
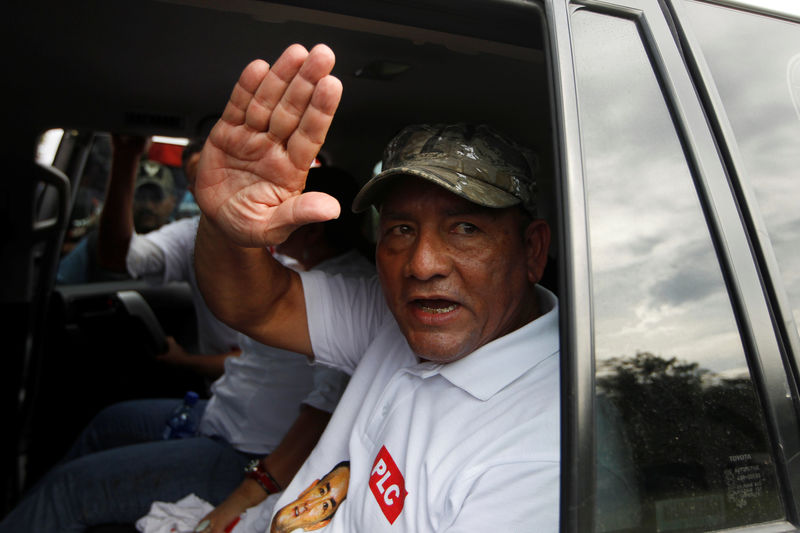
(182, 423)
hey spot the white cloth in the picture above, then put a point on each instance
(184, 515)
(473, 445)
(256, 400)
(180, 516)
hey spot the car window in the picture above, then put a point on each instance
(88, 200)
(163, 156)
(681, 442)
(47, 146)
(760, 90)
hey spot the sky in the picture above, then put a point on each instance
(791, 7)
(657, 284)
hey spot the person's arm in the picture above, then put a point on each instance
(116, 219)
(283, 463)
(209, 365)
(250, 178)
(250, 291)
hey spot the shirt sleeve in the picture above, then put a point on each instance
(145, 259)
(165, 254)
(329, 384)
(344, 314)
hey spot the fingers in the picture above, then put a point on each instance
(306, 141)
(273, 86)
(281, 100)
(296, 97)
(293, 102)
(243, 91)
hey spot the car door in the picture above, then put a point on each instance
(680, 400)
(100, 332)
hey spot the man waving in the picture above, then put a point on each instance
(451, 418)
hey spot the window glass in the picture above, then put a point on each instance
(48, 146)
(681, 443)
(90, 194)
(760, 90)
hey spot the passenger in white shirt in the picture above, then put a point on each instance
(267, 409)
(450, 421)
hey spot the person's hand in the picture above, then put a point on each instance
(256, 159)
(218, 519)
(175, 354)
(208, 365)
(245, 496)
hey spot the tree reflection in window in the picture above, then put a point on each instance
(690, 427)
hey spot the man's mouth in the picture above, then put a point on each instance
(436, 307)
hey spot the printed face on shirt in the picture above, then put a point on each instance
(456, 275)
(314, 508)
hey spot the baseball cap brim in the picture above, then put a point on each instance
(151, 181)
(474, 190)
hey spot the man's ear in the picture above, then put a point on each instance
(537, 245)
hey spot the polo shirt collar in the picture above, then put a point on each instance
(493, 366)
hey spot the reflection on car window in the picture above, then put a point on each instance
(681, 442)
(91, 192)
(764, 112)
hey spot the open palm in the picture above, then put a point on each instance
(254, 165)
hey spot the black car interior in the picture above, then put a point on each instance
(167, 67)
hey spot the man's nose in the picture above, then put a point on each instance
(429, 257)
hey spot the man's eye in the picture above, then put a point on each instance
(322, 491)
(465, 228)
(325, 506)
(400, 229)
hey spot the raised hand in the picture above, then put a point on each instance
(254, 164)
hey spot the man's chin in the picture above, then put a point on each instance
(437, 350)
(146, 222)
(285, 523)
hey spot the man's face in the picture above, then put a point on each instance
(151, 208)
(456, 275)
(316, 504)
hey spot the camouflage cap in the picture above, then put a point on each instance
(474, 162)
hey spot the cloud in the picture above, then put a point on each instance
(657, 283)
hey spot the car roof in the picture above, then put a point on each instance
(167, 66)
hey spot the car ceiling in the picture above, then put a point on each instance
(167, 66)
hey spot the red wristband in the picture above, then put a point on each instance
(256, 470)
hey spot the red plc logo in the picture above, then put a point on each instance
(388, 485)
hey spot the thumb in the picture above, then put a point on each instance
(312, 207)
(307, 208)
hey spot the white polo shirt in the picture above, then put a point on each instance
(467, 446)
